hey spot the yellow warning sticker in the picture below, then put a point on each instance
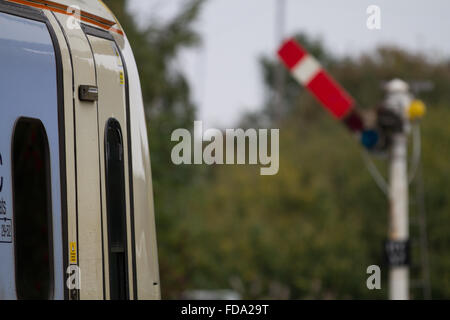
(73, 252)
(122, 78)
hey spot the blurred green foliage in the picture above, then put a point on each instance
(312, 230)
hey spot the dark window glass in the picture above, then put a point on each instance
(32, 210)
(116, 210)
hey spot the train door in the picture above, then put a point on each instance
(115, 165)
(103, 246)
(31, 211)
(104, 171)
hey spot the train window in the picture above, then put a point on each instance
(32, 210)
(116, 210)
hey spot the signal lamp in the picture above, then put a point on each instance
(369, 139)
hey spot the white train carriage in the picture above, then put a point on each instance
(76, 199)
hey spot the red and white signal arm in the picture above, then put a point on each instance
(308, 72)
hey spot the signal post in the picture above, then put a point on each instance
(390, 135)
(398, 100)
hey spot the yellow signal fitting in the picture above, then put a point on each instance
(416, 110)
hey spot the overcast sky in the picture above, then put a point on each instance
(224, 73)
